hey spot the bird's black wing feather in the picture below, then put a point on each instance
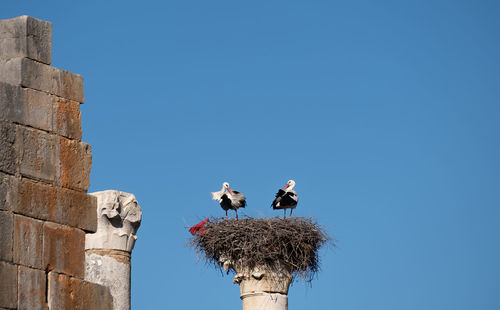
(288, 200)
(225, 203)
(279, 196)
(280, 193)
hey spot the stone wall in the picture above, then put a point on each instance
(45, 210)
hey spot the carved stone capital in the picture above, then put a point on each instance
(118, 219)
(259, 279)
(263, 281)
(260, 287)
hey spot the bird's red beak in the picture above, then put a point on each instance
(229, 190)
(286, 186)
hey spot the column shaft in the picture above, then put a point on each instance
(263, 300)
(110, 268)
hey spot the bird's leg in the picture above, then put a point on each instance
(284, 213)
(291, 210)
(236, 213)
(226, 214)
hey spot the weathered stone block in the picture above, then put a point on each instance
(11, 71)
(31, 289)
(8, 285)
(35, 199)
(8, 191)
(26, 106)
(38, 109)
(77, 209)
(76, 161)
(67, 118)
(59, 205)
(25, 36)
(11, 102)
(8, 150)
(6, 235)
(84, 295)
(71, 86)
(32, 74)
(63, 249)
(40, 154)
(28, 241)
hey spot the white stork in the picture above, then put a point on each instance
(230, 200)
(286, 198)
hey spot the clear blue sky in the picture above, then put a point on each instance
(386, 113)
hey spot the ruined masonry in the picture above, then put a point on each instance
(45, 211)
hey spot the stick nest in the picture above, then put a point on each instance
(272, 243)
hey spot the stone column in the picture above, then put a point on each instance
(261, 288)
(107, 252)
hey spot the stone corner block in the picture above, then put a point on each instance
(26, 36)
(32, 74)
(40, 110)
(76, 162)
(72, 293)
(8, 285)
(77, 209)
(55, 204)
(64, 249)
(67, 118)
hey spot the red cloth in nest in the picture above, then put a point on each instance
(200, 227)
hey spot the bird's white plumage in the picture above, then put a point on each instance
(217, 195)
